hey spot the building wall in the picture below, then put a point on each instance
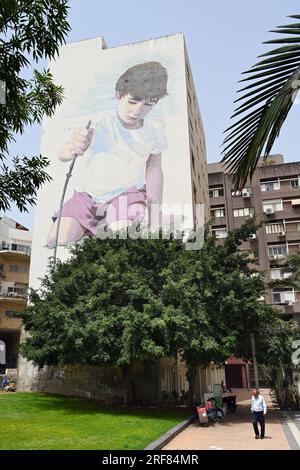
(285, 217)
(88, 71)
(151, 383)
(198, 160)
(14, 278)
(106, 384)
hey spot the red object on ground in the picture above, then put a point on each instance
(201, 409)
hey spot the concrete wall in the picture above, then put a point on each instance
(107, 384)
(149, 382)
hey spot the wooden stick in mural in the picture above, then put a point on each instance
(68, 176)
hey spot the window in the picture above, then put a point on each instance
(243, 212)
(274, 228)
(270, 186)
(217, 192)
(194, 192)
(15, 268)
(284, 297)
(220, 232)
(294, 183)
(273, 205)
(219, 212)
(277, 273)
(193, 161)
(252, 254)
(9, 313)
(277, 251)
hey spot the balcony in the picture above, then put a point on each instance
(216, 200)
(288, 309)
(14, 248)
(277, 258)
(14, 293)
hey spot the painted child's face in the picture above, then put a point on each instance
(132, 109)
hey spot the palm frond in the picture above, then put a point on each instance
(264, 105)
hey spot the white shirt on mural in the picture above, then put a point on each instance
(116, 158)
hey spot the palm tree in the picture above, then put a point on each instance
(275, 82)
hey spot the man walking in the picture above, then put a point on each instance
(258, 409)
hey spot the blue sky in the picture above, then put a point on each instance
(223, 39)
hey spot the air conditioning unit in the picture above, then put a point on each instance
(246, 194)
(261, 298)
(281, 233)
(288, 302)
(269, 211)
(253, 236)
(249, 216)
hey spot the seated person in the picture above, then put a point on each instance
(214, 410)
(225, 388)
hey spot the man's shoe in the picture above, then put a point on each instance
(256, 437)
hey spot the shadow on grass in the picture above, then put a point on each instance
(79, 406)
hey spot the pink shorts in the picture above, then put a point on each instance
(129, 205)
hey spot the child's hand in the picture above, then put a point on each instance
(77, 145)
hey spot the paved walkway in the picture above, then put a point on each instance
(236, 431)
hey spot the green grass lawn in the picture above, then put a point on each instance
(32, 421)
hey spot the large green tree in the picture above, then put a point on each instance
(29, 31)
(117, 301)
(102, 307)
(264, 105)
(213, 302)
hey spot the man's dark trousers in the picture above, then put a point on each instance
(258, 416)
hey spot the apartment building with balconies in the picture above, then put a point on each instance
(15, 243)
(273, 196)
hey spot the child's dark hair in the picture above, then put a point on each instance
(147, 80)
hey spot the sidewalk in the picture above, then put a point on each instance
(236, 431)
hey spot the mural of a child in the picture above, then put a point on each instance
(121, 173)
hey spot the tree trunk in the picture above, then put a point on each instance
(126, 381)
(254, 361)
(191, 376)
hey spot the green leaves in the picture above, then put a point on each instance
(275, 82)
(20, 183)
(29, 31)
(118, 301)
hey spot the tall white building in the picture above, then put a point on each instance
(140, 99)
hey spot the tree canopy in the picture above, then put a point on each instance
(115, 301)
(29, 31)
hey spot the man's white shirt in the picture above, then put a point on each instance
(258, 404)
